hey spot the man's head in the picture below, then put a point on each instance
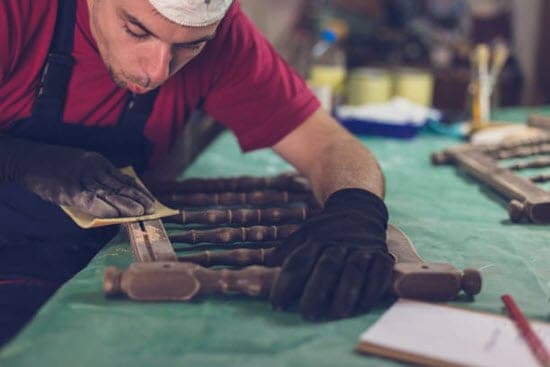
(144, 42)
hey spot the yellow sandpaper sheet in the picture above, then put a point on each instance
(86, 220)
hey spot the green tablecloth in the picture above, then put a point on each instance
(447, 215)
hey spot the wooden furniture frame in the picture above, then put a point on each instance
(160, 275)
(527, 200)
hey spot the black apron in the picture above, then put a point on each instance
(39, 243)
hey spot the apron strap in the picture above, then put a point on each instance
(137, 111)
(57, 71)
(52, 91)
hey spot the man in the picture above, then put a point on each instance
(87, 86)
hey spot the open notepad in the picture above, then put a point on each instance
(439, 335)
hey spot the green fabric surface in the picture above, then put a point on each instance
(449, 217)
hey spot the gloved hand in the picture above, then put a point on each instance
(337, 263)
(73, 177)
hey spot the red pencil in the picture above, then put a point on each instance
(527, 332)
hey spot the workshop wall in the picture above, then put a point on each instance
(276, 18)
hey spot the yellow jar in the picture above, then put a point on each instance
(416, 85)
(333, 76)
(368, 86)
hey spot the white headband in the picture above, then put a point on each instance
(192, 13)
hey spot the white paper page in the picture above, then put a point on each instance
(454, 335)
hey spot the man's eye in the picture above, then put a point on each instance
(135, 35)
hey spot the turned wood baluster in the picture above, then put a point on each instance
(284, 182)
(241, 216)
(173, 281)
(520, 152)
(498, 147)
(537, 163)
(267, 197)
(230, 235)
(542, 178)
(238, 257)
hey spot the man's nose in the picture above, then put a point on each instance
(158, 64)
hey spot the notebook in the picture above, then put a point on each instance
(439, 335)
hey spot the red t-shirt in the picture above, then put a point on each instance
(238, 79)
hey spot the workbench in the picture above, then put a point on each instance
(448, 216)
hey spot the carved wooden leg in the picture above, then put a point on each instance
(414, 278)
(536, 163)
(173, 281)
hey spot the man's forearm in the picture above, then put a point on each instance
(345, 163)
(330, 157)
(338, 262)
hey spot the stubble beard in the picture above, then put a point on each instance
(117, 77)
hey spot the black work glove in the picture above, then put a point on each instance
(73, 177)
(337, 263)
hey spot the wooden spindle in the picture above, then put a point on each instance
(238, 257)
(521, 152)
(542, 178)
(537, 163)
(268, 197)
(230, 234)
(283, 182)
(516, 143)
(241, 216)
(173, 281)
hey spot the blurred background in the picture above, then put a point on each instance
(401, 46)
(395, 67)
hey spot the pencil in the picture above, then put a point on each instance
(527, 332)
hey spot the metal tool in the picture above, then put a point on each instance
(150, 242)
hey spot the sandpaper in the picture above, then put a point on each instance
(86, 220)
